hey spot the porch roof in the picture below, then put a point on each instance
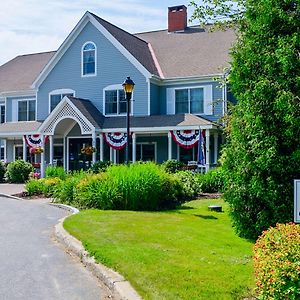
(19, 128)
(180, 120)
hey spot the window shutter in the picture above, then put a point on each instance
(14, 110)
(208, 101)
(170, 101)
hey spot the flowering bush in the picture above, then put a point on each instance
(35, 175)
(277, 262)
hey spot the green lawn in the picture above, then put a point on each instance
(190, 253)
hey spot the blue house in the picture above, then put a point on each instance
(70, 101)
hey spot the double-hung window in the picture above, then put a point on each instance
(190, 100)
(89, 59)
(115, 102)
(26, 110)
(57, 96)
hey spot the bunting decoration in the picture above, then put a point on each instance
(34, 140)
(185, 138)
(116, 140)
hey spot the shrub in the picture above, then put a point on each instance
(2, 171)
(212, 181)
(190, 186)
(18, 171)
(50, 185)
(65, 190)
(100, 166)
(97, 191)
(139, 186)
(172, 166)
(52, 171)
(34, 187)
(277, 262)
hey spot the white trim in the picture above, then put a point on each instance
(59, 92)
(87, 17)
(57, 108)
(117, 87)
(149, 97)
(185, 80)
(20, 93)
(160, 129)
(88, 75)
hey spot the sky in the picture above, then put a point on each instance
(32, 26)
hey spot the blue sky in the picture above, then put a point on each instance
(30, 26)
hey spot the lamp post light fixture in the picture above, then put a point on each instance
(128, 87)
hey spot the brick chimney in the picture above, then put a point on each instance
(177, 18)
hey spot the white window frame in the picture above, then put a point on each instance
(27, 100)
(113, 88)
(14, 154)
(148, 143)
(88, 75)
(59, 92)
(207, 99)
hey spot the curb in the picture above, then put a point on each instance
(113, 280)
(10, 196)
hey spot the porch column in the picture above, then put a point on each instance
(5, 150)
(207, 161)
(66, 160)
(216, 147)
(133, 147)
(169, 145)
(115, 156)
(24, 149)
(94, 145)
(51, 149)
(43, 157)
(111, 154)
(101, 146)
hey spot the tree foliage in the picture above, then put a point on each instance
(262, 155)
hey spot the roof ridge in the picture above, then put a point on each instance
(132, 34)
(36, 53)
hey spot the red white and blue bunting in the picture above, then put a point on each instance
(116, 140)
(34, 140)
(186, 138)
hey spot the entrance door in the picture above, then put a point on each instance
(77, 159)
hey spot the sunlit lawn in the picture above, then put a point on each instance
(190, 253)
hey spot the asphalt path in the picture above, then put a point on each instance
(32, 264)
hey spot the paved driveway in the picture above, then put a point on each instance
(32, 265)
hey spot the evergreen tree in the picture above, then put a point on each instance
(262, 155)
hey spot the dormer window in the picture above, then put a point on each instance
(89, 59)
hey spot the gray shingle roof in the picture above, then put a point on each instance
(19, 73)
(136, 46)
(156, 121)
(194, 52)
(90, 111)
(10, 128)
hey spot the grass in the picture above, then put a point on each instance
(189, 253)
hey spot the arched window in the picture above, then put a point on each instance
(89, 59)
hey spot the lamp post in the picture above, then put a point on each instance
(128, 87)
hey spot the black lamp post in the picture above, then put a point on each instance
(128, 87)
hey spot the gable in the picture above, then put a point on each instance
(136, 50)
